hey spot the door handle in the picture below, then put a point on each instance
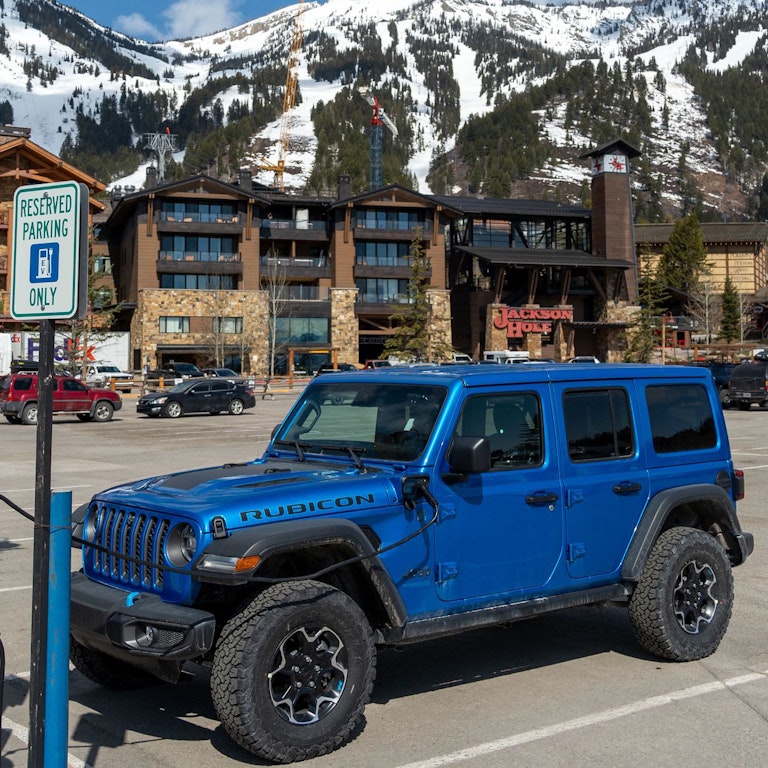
(626, 488)
(541, 499)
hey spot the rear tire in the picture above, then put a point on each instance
(293, 671)
(29, 414)
(682, 605)
(236, 407)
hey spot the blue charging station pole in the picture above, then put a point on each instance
(57, 678)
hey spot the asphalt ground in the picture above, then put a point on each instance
(568, 689)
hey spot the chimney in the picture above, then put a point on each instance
(151, 180)
(345, 186)
(245, 179)
(613, 231)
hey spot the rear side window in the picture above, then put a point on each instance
(681, 418)
(598, 424)
(22, 383)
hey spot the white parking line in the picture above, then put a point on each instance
(15, 589)
(654, 702)
(22, 734)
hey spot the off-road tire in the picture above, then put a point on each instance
(236, 407)
(103, 411)
(29, 414)
(254, 686)
(107, 671)
(682, 604)
(173, 409)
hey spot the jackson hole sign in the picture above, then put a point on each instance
(521, 320)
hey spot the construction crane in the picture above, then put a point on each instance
(289, 100)
(379, 119)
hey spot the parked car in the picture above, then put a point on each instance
(377, 364)
(196, 396)
(176, 371)
(103, 374)
(19, 398)
(583, 359)
(748, 383)
(328, 368)
(220, 373)
(721, 373)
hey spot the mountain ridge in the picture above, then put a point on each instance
(446, 70)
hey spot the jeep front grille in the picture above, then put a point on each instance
(128, 534)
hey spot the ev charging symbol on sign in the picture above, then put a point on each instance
(49, 258)
(44, 263)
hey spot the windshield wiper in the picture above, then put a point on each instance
(299, 448)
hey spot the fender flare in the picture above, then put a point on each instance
(657, 512)
(286, 536)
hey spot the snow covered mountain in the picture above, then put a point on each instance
(444, 64)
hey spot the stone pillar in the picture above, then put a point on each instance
(617, 339)
(344, 327)
(440, 303)
(495, 338)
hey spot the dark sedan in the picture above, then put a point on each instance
(196, 396)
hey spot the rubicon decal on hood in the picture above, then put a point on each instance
(321, 505)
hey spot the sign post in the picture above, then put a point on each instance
(49, 268)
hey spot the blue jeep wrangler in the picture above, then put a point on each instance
(401, 504)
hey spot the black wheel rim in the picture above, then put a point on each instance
(308, 675)
(695, 600)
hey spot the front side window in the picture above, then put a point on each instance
(174, 325)
(598, 424)
(681, 418)
(512, 425)
(376, 421)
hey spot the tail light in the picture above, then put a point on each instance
(738, 484)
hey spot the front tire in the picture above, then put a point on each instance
(103, 411)
(293, 672)
(682, 605)
(744, 406)
(173, 410)
(107, 671)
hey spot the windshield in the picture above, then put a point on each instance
(108, 369)
(377, 421)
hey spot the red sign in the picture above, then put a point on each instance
(521, 320)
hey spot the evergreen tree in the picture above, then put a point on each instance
(730, 325)
(684, 258)
(415, 338)
(644, 330)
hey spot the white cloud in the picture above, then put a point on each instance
(135, 25)
(194, 18)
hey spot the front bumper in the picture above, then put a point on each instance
(134, 624)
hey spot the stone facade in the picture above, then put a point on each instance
(201, 307)
(344, 334)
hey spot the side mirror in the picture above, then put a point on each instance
(470, 456)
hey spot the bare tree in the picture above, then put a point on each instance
(704, 307)
(275, 283)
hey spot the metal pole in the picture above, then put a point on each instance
(57, 679)
(39, 649)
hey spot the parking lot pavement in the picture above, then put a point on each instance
(567, 689)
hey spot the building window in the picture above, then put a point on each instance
(183, 210)
(302, 330)
(374, 218)
(198, 282)
(174, 325)
(228, 324)
(102, 265)
(374, 254)
(382, 291)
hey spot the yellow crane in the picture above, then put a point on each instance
(289, 100)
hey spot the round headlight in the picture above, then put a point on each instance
(182, 544)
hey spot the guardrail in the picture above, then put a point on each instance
(259, 384)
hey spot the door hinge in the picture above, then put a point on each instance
(577, 550)
(446, 571)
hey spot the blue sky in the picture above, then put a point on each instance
(172, 19)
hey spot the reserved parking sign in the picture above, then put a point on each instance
(49, 257)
